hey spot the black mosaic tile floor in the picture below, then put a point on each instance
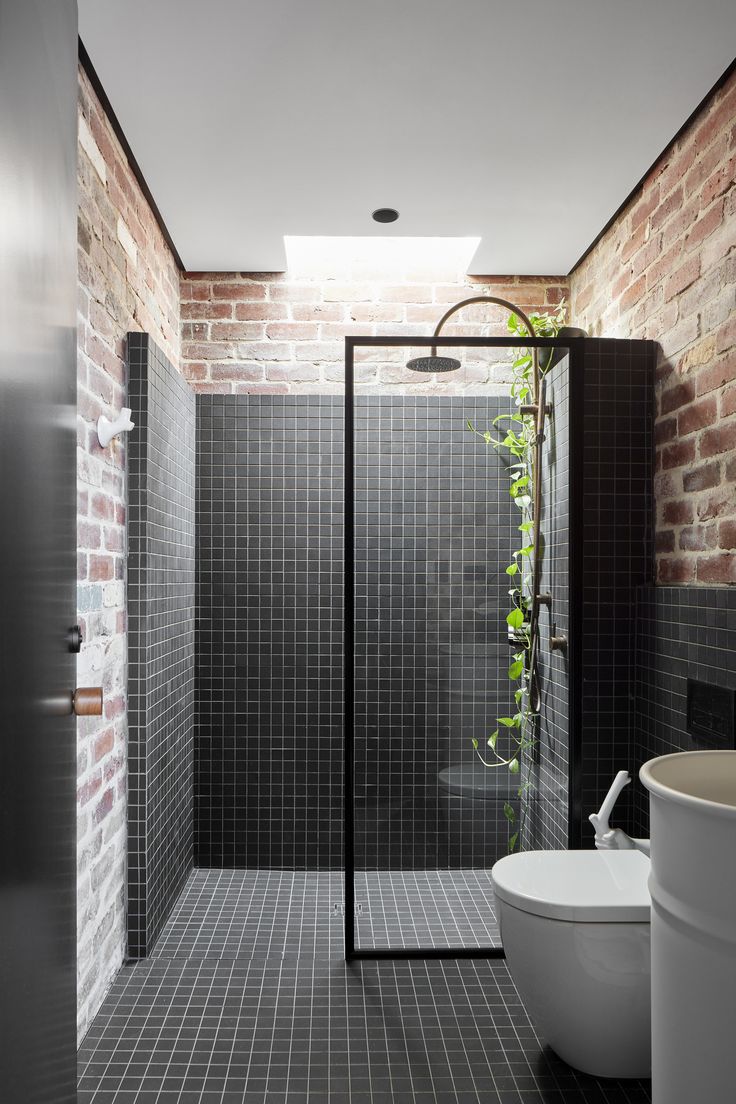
(255, 913)
(243, 1005)
(244, 913)
(425, 908)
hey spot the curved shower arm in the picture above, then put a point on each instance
(513, 309)
(538, 409)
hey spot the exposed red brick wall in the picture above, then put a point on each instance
(127, 281)
(667, 270)
(268, 333)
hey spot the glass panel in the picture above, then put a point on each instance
(434, 531)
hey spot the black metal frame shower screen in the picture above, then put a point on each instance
(573, 346)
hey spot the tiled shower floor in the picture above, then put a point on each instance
(236, 913)
(247, 1000)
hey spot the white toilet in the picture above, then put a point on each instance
(575, 929)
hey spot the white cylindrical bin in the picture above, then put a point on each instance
(693, 937)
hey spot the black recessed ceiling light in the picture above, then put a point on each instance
(385, 214)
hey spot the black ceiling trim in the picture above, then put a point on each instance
(637, 187)
(94, 80)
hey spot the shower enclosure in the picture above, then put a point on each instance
(317, 600)
(430, 529)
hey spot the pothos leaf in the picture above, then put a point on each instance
(514, 766)
(515, 619)
(516, 669)
(508, 812)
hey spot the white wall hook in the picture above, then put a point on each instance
(106, 429)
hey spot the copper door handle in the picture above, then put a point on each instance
(87, 701)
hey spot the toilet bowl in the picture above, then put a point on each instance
(575, 929)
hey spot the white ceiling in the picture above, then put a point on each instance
(523, 123)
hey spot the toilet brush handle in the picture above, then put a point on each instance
(600, 819)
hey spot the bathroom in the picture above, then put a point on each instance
(304, 732)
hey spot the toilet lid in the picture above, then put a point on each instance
(602, 887)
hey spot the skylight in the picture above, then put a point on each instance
(379, 256)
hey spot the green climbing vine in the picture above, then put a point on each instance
(514, 737)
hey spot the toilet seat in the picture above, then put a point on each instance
(595, 887)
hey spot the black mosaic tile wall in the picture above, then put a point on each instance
(433, 538)
(161, 459)
(434, 531)
(615, 531)
(597, 528)
(683, 632)
(546, 819)
(269, 631)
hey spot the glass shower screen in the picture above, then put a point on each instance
(430, 531)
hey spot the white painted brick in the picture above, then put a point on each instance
(114, 595)
(92, 150)
(126, 240)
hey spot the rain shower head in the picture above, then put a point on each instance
(433, 364)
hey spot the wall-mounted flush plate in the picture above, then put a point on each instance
(711, 711)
